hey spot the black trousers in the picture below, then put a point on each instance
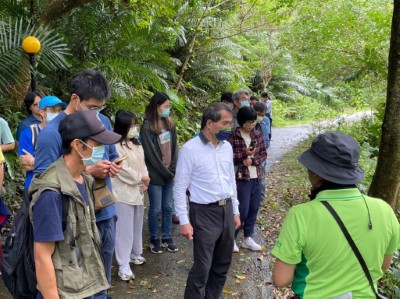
(213, 236)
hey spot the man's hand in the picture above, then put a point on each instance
(186, 230)
(99, 170)
(114, 169)
(27, 160)
(236, 221)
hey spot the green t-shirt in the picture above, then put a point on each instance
(326, 266)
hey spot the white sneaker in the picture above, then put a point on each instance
(137, 259)
(125, 273)
(250, 244)
(235, 247)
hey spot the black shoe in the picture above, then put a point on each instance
(167, 243)
(155, 246)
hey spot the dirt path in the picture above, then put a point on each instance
(164, 275)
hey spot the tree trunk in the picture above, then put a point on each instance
(192, 42)
(386, 181)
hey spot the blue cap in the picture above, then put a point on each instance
(51, 101)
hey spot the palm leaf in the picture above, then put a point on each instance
(14, 67)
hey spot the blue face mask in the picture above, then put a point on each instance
(97, 155)
(223, 134)
(244, 104)
(165, 112)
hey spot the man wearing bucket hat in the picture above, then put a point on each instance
(49, 108)
(313, 255)
(67, 254)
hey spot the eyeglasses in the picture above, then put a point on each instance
(94, 108)
(227, 124)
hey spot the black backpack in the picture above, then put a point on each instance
(18, 260)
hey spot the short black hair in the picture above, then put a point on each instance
(29, 100)
(66, 144)
(245, 114)
(90, 84)
(264, 94)
(213, 113)
(227, 96)
(253, 97)
(260, 107)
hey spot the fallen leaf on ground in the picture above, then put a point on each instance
(144, 282)
(225, 291)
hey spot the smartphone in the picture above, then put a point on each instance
(253, 144)
(120, 159)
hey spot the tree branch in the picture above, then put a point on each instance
(241, 31)
(56, 9)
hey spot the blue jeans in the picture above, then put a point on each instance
(106, 230)
(161, 199)
(249, 196)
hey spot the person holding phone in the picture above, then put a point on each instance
(249, 152)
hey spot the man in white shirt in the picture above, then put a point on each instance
(205, 168)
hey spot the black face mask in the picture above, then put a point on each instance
(223, 135)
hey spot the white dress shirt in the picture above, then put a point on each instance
(207, 171)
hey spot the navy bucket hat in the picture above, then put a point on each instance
(334, 157)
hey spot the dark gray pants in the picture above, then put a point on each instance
(213, 236)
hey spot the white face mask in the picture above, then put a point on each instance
(50, 116)
(133, 132)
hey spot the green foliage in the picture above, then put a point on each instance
(303, 109)
(339, 40)
(13, 181)
(390, 283)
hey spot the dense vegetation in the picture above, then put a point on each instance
(324, 55)
(317, 59)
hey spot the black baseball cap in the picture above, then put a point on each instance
(86, 124)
